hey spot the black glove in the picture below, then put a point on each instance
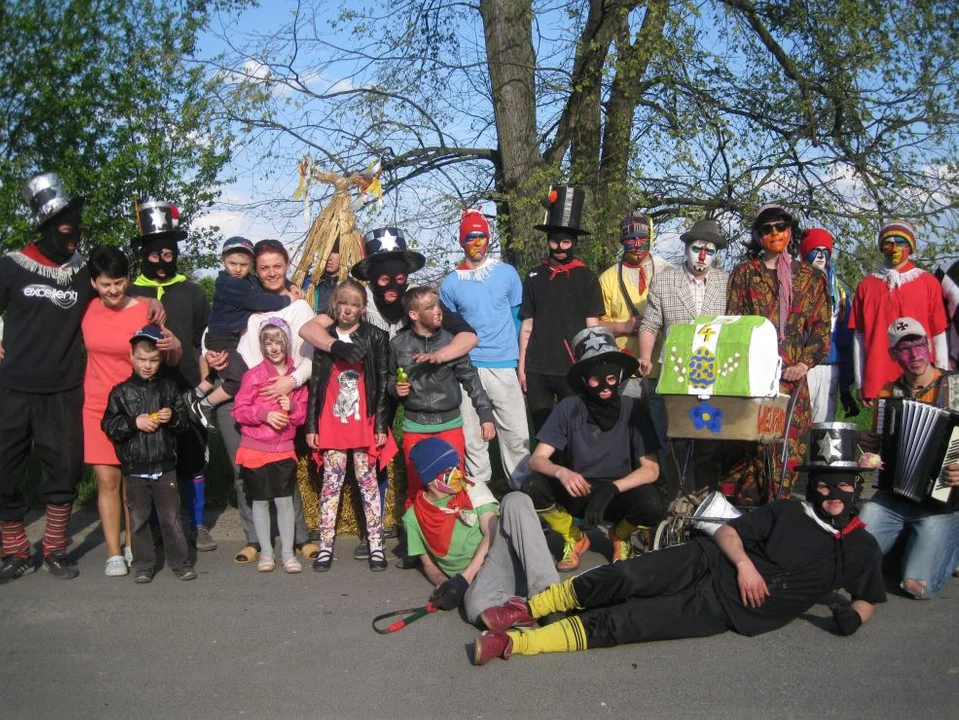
(450, 594)
(601, 494)
(847, 619)
(350, 352)
(849, 404)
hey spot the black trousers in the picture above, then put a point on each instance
(191, 451)
(662, 595)
(53, 426)
(540, 391)
(142, 495)
(642, 506)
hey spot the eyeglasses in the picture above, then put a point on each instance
(768, 228)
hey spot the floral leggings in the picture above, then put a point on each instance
(334, 475)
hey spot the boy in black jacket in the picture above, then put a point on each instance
(142, 416)
(428, 390)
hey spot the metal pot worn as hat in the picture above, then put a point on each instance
(47, 198)
(158, 220)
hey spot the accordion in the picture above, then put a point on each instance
(917, 442)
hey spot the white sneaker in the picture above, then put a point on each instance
(116, 566)
(128, 555)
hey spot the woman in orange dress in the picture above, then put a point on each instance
(109, 323)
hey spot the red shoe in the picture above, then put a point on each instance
(492, 644)
(511, 614)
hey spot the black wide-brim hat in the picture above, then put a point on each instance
(595, 345)
(564, 211)
(384, 244)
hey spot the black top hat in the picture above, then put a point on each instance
(564, 211)
(832, 449)
(47, 198)
(706, 231)
(386, 244)
(593, 345)
(158, 220)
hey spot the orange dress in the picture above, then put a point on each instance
(106, 335)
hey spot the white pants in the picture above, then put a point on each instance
(823, 381)
(512, 428)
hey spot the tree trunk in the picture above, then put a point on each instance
(521, 180)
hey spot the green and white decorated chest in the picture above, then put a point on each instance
(720, 379)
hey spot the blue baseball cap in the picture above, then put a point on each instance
(147, 332)
(237, 244)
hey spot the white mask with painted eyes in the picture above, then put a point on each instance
(699, 256)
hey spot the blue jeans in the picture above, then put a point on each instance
(932, 543)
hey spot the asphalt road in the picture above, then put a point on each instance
(239, 643)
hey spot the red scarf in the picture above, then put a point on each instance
(437, 523)
(555, 269)
(642, 272)
(33, 252)
(853, 524)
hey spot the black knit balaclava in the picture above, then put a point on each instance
(604, 413)
(57, 245)
(150, 268)
(392, 312)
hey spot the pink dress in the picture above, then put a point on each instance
(106, 335)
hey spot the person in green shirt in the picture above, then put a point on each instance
(469, 544)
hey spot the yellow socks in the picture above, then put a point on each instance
(566, 635)
(556, 598)
(562, 522)
(624, 529)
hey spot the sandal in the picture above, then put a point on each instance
(323, 561)
(292, 565)
(266, 564)
(310, 550)
(247, 555)
(377, 561)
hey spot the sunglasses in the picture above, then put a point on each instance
(767, 228)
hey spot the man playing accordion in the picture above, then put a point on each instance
(932, 544)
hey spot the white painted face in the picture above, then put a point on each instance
(699, 256)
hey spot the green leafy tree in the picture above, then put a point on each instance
(107, 94)
(843, 109)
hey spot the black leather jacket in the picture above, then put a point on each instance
(435, 392)
(142, 453)
(375, 372)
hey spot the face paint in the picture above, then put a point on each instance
(635, 251)
(913, 356)
(476, 246)
(451, 482)
(775, 236)
(699, 256)
(819, 258)
(896, 251)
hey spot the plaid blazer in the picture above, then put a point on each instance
(671, 301)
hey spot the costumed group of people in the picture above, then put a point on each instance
(146, 369)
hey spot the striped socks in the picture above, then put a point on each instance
(14, 537)
(566, 635)
(55, 536)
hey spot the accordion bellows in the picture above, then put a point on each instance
(722, 355)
